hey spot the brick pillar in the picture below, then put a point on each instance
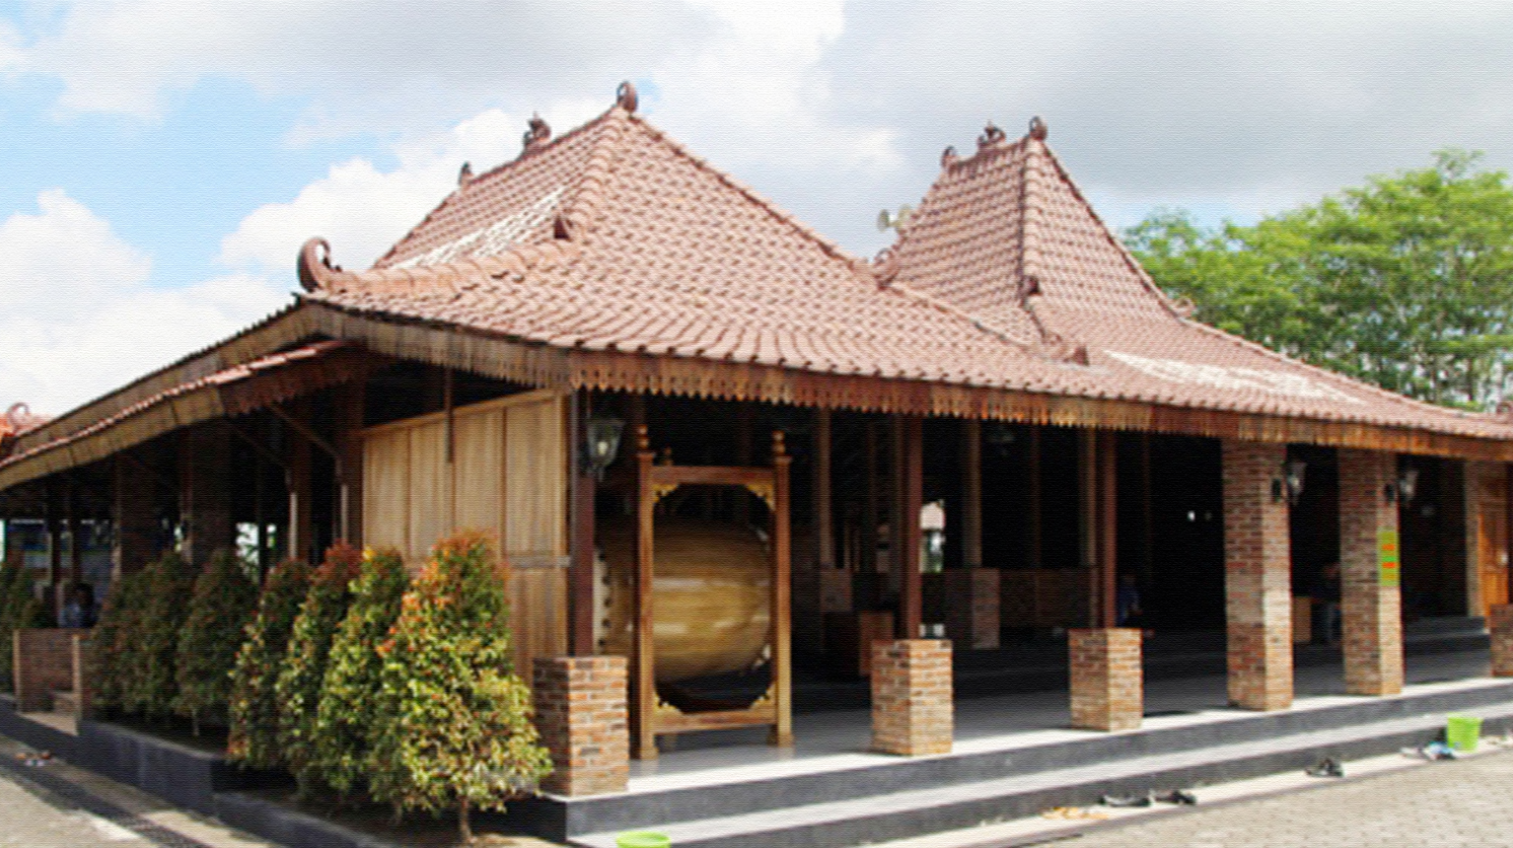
(1370, 595)
(1257, 577)
(912, 712)
(1108, 688)
(1500, 624)
(83, 661)
(583, 714)
(205, 491)
(972, 597)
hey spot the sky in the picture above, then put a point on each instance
(161, 161)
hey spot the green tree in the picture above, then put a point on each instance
(253, 740)
(221, 602)
(149, 682)
(1405, 282)
(19, 609)
(455, 728)
(299, 681)
(349, 696)
(113, 640)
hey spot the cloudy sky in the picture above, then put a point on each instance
(162, 160)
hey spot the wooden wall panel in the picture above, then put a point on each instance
(478, 471)
(538, 615)
(430, 488)
(535, 501)
(386, 506)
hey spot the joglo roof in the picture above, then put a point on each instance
(614, 241)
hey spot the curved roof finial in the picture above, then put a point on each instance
(465, 175)
(625, 96)
(537, 134)
(1038, 129)
(315, 263)
(948, 157)
(991, 135)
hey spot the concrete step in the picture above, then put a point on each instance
(65, 701)
(911, 812)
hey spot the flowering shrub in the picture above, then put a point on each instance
(299, 681)
(348, 700)
(253, 703)
(222, 600)
(454, 725)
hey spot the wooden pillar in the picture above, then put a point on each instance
(824, 528)
(870, 520)
(1087, 522)
(743, 459)
(909, 457)
(581, 565)
(1108, 527)
(1147, 521)
(351, 399)
(132, 514)
(1370, 591)
(971, 493)
(300, 533)
(643, 680)
(782, 648)
(55, 525)
(1032, 511)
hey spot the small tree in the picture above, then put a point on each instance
(455, 728)
(349, 695)
(299, 681)
(150, 684)
(112, 641)
(253, 740)
(222, 601)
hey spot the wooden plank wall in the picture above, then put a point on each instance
(507, 476)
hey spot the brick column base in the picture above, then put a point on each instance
(42, 664)
(912, 713)
(972, 598)
(1108, 687)
(583, 714)
(1500, 623)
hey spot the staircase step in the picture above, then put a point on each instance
(901, 814)
(65, 701)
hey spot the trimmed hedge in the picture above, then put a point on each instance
(19, 609)
(222, 601)
(113, 640)
(253, 740)
(455, 725)
(304, 670)
(348, 707)
(149, 683)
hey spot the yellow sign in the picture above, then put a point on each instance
(1389, 558)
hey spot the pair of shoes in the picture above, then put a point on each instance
(1326, 767)
(1179, 797)
(1125, 800)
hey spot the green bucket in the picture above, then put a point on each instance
(1462, 732)
(641, 839)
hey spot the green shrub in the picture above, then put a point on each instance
(150, 684)
(349, 695)
(113, 639)
(455, 722)
(299, 681)
(221, 603)
(254, 704)
(19, 609)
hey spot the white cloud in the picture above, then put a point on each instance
(79, 317)
(362, 210)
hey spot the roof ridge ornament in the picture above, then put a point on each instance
(1038, 129)
(625, 97)
(991, 136)
(948, 156)
(315, 264)
(465, 175)
(538, 132)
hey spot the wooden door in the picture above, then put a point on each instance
(1492, 538)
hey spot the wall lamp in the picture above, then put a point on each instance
(602, 444)
(1289, 485)
(1404, 487)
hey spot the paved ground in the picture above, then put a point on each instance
(1448, 804)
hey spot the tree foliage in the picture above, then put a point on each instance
(253, 740)
(1405, 282)
(299, 681)
(113, 641)
(19, 609)
(348, 710)
(220, 604)
(456, 722)
(149, 682)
